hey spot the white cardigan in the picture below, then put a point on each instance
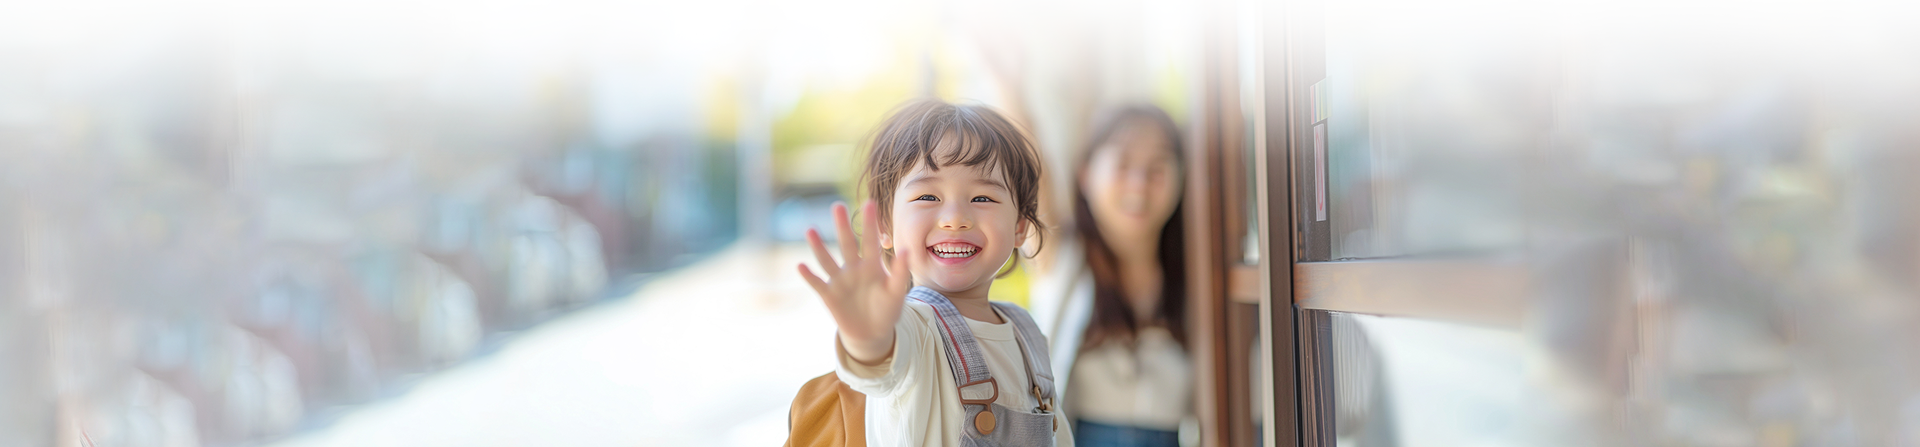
(1062, 304)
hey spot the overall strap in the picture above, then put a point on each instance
(963, 351)
(1034, 347)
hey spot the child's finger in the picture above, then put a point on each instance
(819, 285)
(870, 224)
(897, 276)
(820, 254)
(849, 244)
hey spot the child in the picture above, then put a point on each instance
(957, 188)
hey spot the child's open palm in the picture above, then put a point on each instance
(864, 292)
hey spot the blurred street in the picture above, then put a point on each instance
(309, 223)
(705, 355)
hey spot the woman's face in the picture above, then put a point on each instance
(1132, 183)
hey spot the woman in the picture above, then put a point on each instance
(1114, 303)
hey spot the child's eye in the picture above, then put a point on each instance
(925, 197)
(983, 199)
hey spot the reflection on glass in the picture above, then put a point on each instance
(1717, 235)
(1453, 383)
(1249, 45)
(1423, 134)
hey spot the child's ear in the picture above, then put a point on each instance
(1020, 233)
(886, 240)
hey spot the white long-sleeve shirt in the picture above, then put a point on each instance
(912, 398)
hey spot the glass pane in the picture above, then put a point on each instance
(1424, 134)
(1712, 213)
(1409, 381)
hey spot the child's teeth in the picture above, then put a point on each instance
(948, 252)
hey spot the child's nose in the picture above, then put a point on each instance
(955, 218)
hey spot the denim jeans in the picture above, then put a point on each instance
(1095, 434)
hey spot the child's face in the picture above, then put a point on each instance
(956, 226)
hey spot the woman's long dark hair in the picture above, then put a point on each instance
(1114, 320)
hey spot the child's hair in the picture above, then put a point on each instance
(978, 136)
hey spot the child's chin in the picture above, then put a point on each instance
(949, 284)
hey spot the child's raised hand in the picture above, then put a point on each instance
(863, 292)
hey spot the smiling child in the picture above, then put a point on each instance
(953, 191)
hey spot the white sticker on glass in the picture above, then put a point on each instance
(1319, 172)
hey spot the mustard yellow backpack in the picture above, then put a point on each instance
(827, 413)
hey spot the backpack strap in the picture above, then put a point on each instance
(964, 356)
(1033, 346)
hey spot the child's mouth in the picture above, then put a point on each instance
(953, 251)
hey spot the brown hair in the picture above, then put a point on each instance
(979, 136)
(1113, 319)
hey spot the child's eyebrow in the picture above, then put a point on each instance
(985, 181)
(919, 179)
(993, 182)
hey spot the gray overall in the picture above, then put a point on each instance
(988, 423)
